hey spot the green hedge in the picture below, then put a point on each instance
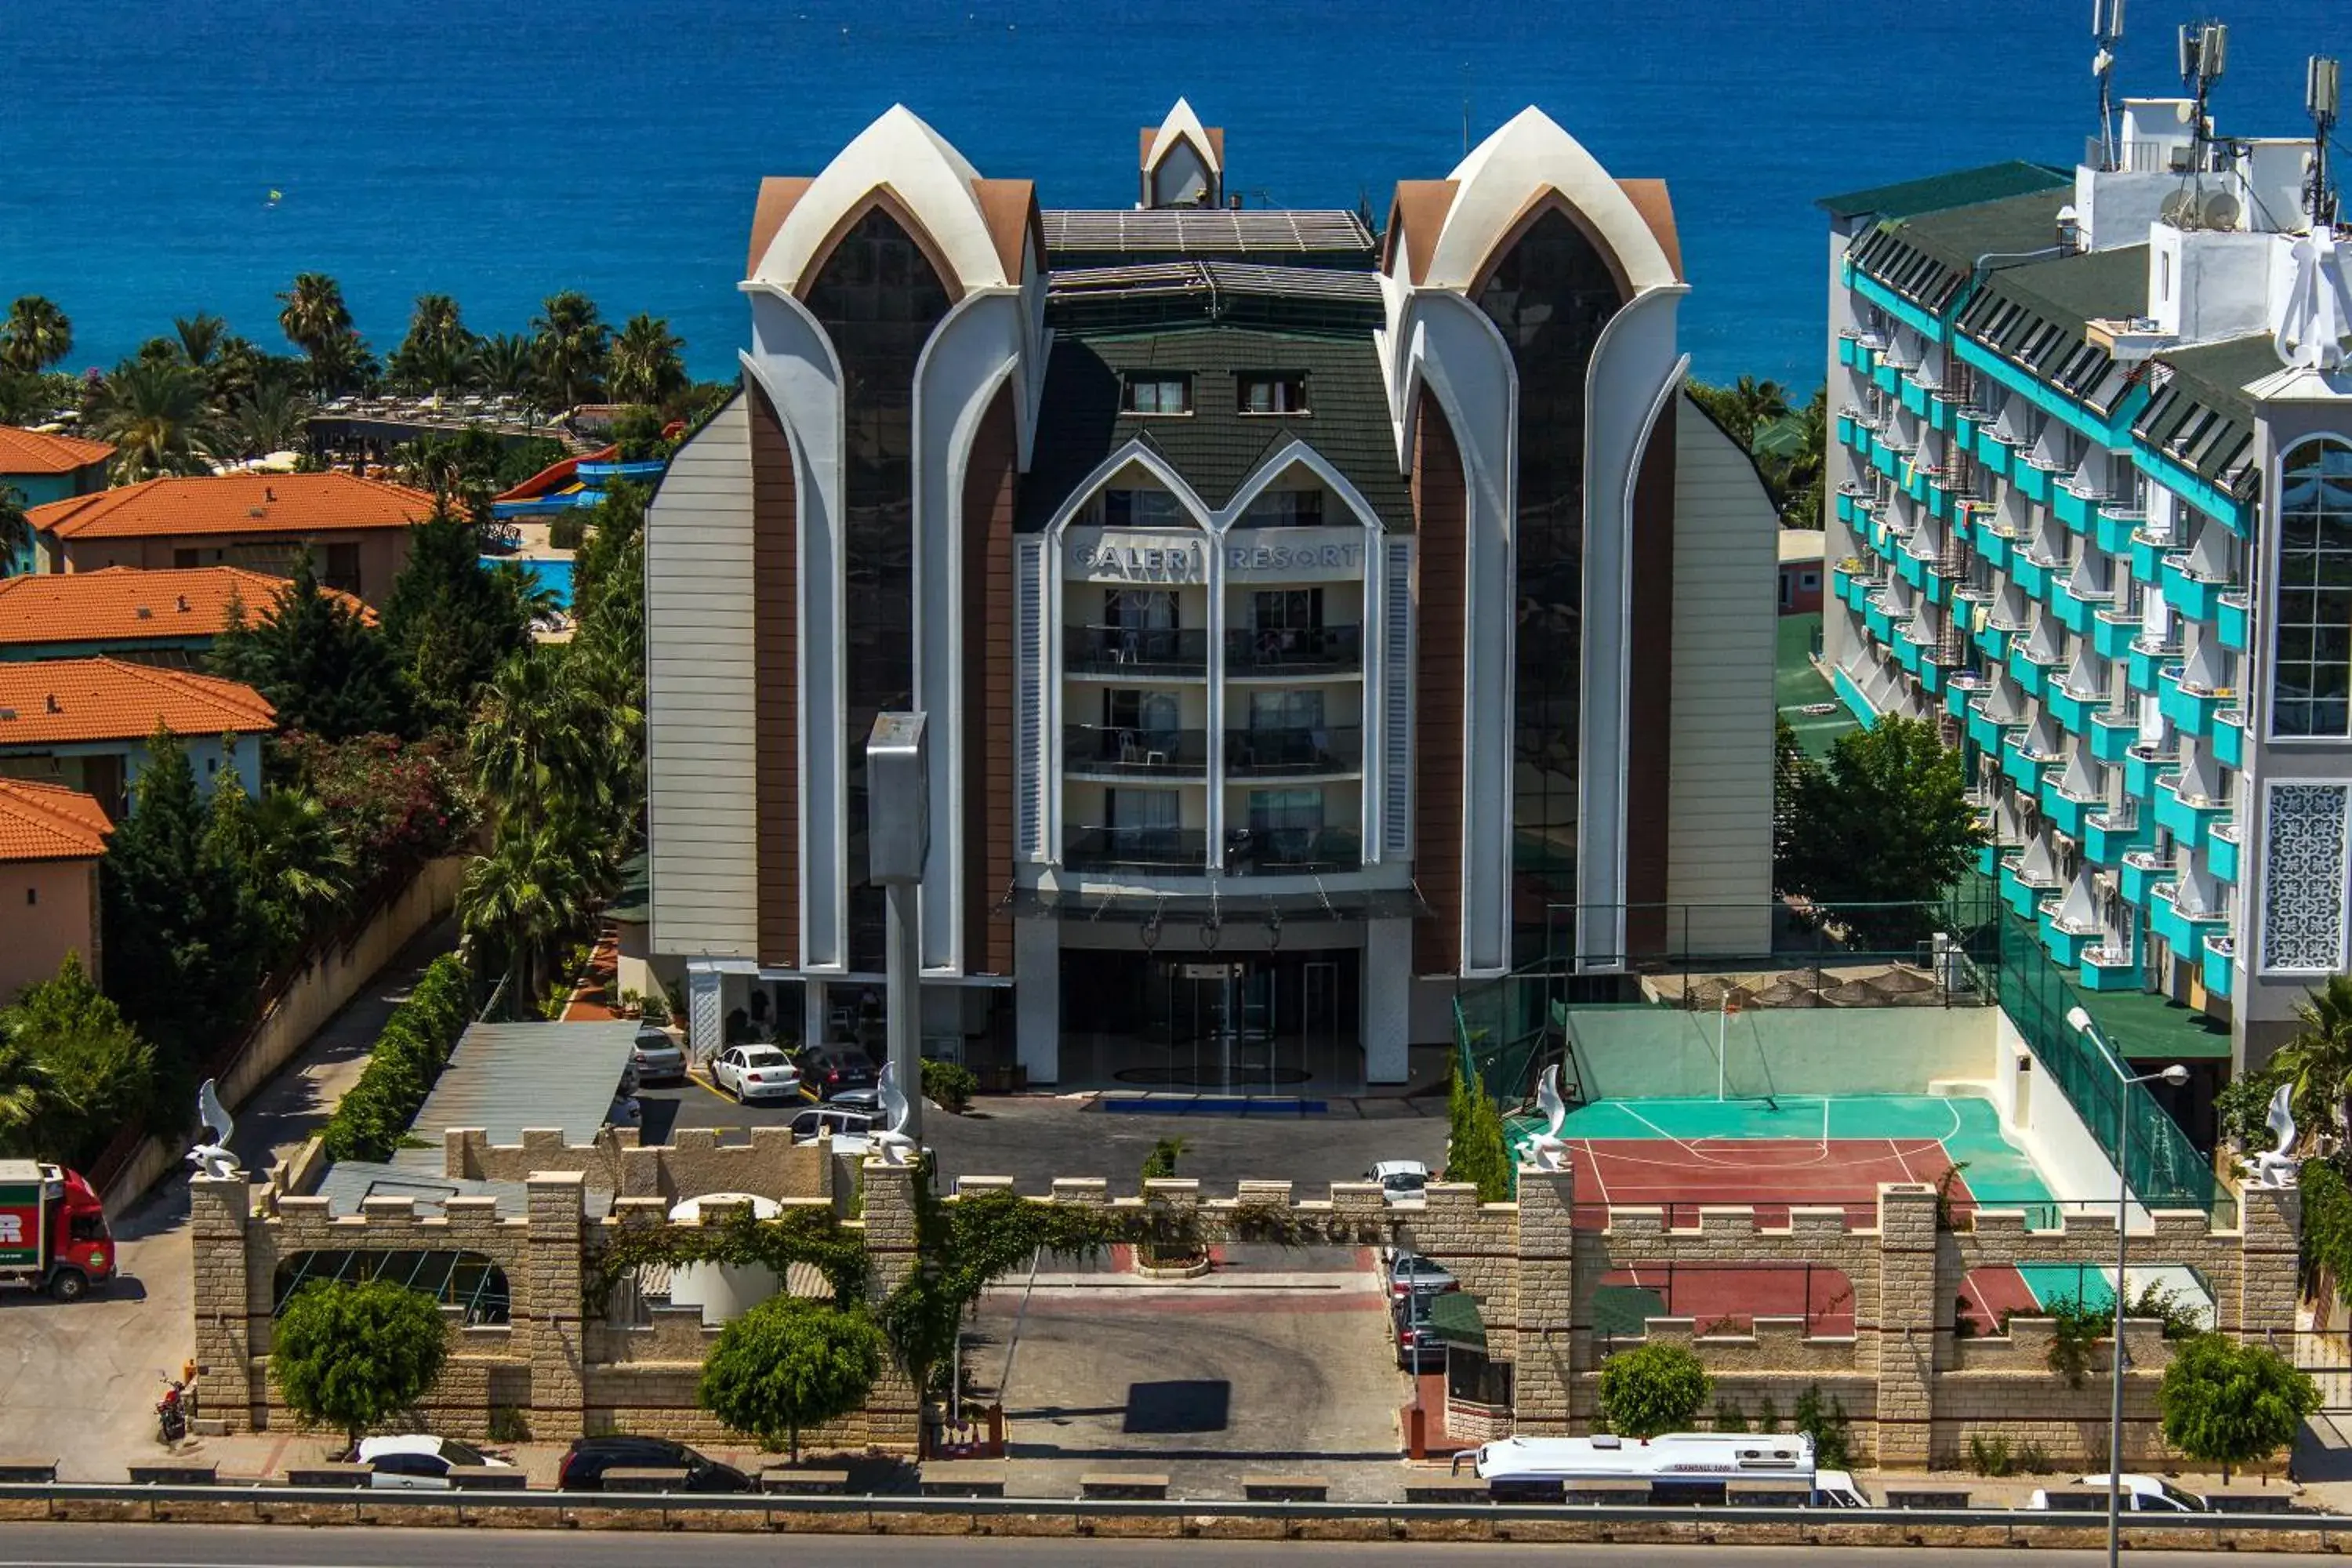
(408, 1056)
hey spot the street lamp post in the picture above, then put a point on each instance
(2175, 1075)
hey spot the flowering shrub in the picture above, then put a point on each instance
(393, 802)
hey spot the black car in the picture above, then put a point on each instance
(838, 1072)
(584, 1467)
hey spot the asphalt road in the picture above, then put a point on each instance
(210, 1546)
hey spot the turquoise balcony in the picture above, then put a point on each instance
(2190, 710)
(1965, 421)
(1866, 358)
(2192, 595)
(1914, 395)
(2146, 659)
(2105, 971)
(1886, 377)
(1993, 452)
(1994, 548)
(2112, 528)
(1938, 585)
(2142, 766)
(2111, 737)
(1917, 481)
(2066, 944)
(1911, 568)
(2189, 820)
(2033, 573)
(2076, 508)
(2074, 609)
(1931, 674)
(2033, 482)
(1992, 641)
(2022, 894)
(2186, 931)
(2230, 737)
(1846, 423)
(2147, 555)
(2220, 965)
(2221, 851)
(2065, 811)
(2023, 768)
(1906, 652)
(2072, 708)
(2109, 836)
(1989, 733)
(1961, 689)
(2141, 872)
(2030, 672)
(1875, 616)
(2112, 631)
(1845, 347)
(1940, 409)
(2233, 620)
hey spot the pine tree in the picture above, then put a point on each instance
(449, 623)
(326, 671)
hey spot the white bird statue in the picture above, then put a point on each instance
(212, 1158)
(892, 1142)
(1547, 1149)
(2277, 1168)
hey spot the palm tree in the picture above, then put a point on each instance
(2318, 1061)
(537, 744)
(343, 363)
(507, 365)
(273, 417)
(203, 336)
(523, 901)
(574, 343)
(299, 864)
(16, 530)
(645, 364)
(157, 417)
(437, 356)
(36, 335)
(314, 314)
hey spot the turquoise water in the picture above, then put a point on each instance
(499, 152)
(553, 575)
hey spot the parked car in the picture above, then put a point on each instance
(755, 1072)
(1411, 1274)
(1401, 1181)
(1418, 1348)
(625, 1112)
(420, 1462)
(2141, 1494)
(845, 1123)
(584, 1468)
(839, 1073)
(657, 1057)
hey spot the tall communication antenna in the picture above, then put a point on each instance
(2204, 52)
(2108, 30)
(2321, 93)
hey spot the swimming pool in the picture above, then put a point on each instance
(552, 574)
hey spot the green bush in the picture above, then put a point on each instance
(409, 1055)
(1651, 1390)
(2327, 1225)
(353, 1356)
(568, 531)
(947, 1085)
(2243, 1108)
(2231, 1405)
(1827, 1423)
(1475, 1148)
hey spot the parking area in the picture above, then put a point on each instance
(1035, 1137)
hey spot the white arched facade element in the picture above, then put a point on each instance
(1181, 161)
(926, 177)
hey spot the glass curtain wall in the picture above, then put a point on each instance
(878, 298)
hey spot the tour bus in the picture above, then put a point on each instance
(1680, 1466)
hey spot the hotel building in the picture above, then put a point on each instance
(1307, 619)
(2090, 469)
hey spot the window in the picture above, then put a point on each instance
(1154, 392)
(32, 895)
(466, 1281)
(1289, 609)
(1284, 509)
(2311, 679)
(1141, 509)
(1286, 709)
(1272, 392)
(342, 568)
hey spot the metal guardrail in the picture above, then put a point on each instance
(867, 1513)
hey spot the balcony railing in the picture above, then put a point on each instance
(1163, 850)
(1281, 851)
(1127, 749)
(1135, 650)
(1294, 650)
(1290, 753)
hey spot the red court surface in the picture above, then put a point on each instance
(1771, 1175)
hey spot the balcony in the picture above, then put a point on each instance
(2218, 967)
(2221, 852)
(2142, 765)
(1961, 688)
(2023, 891)
(2074, 708)
(1162, 851)
(1848, 419)
(2033, 672)
(2185, 929)
(1988, 732)
(2035, 571)
(2023, 765)
(2108, 968)
(2230, 737)
(2076, 602)
(2111, 834)
(2189, 819)
(2113, 736)
(2198, 598)
(2147, 553)
(2067, 943)
(1295, 650)
(1128, 750)
(2077, 507)
(2142, 870)
(2189, 707)
(2065, 812)
(1293, 752)
(1286, 851)
(2112, 631)
(2146, 656)
(1994, 450)
(2233, 619)
(1136, 652)
(1912, 569)
(2034, 478)
(2112, 528)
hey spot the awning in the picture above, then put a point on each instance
(1454, 1318)
(1231, 905)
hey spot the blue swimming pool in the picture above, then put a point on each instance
(555, 575)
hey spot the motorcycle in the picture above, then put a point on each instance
(172, 1413)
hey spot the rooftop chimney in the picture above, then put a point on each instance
(55, 706)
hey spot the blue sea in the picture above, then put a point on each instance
(500, 151)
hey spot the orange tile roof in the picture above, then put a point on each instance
(234, 503)
(123, 602)
(39, 452)
(46, 701)
(50, 822)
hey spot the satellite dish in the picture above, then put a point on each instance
(2179, 209)
(2219, 209)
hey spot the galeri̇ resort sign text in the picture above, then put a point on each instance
(1291, 555)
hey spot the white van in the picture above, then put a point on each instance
(1677, 1459)
(2141, 1494)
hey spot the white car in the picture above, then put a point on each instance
(1401, 1181)
(755, 1072)
(420, 1463)
(2141, 1494)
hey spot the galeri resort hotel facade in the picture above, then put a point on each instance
(1307, 619)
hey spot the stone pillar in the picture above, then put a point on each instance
(894, 1409)
(548, 1320)
(1908, 1293)
(220, 1298)
(1544, 1372)
(2268, 1283)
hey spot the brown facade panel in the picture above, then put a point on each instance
(1441, 505)
(989, 494)
(1650, 686)
(775, 652)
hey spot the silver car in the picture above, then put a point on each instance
(655, 1057)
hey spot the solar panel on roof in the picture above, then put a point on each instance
(1257, 229)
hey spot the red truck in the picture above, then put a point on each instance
(53, 1232)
